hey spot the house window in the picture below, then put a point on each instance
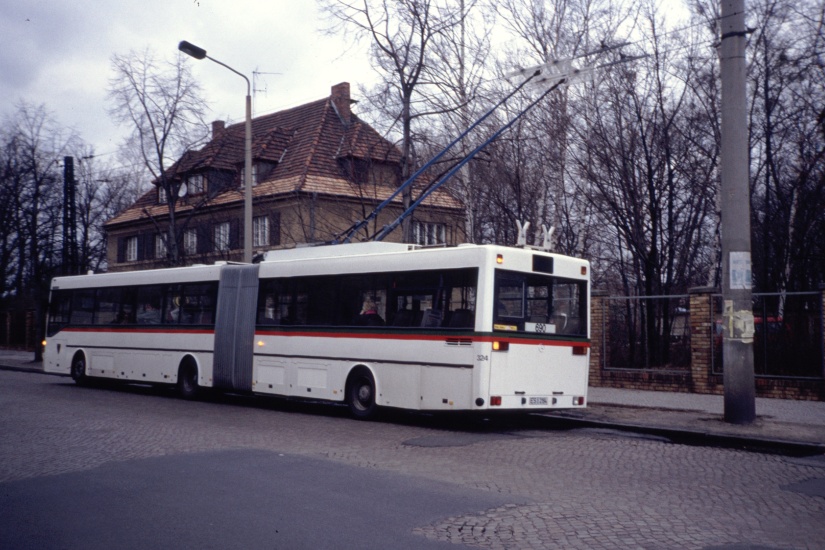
(254, 174)
(260, 231)
(163, 198)
(160, 247)
(222, 237)
(131, 249)
(429, 233)
(190, 242)
(195, 184)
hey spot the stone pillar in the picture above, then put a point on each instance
(598, 334)
(701, 338)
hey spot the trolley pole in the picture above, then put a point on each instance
(738, 326)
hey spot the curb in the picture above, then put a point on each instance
(700, 438)
(32, 370)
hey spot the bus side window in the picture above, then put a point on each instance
(172, 305)
(108, 305)
(269, 311)
(59, 309)
(198, 304)
(83, 307)
(462, 318)
(148, 305)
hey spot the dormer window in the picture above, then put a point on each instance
(195, 184)
(261, 170)
(163, 197)
(254, 174)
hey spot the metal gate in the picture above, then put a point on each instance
(235, 327)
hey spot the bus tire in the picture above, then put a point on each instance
(361, 394)
(78, 369)
(188, 379)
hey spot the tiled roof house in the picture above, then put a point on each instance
(317, 168)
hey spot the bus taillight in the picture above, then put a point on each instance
(578, 400)
(501, 346)
(579, 350)
(495, 401)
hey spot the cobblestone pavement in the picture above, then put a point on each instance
(587, 488)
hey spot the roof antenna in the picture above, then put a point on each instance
(255, 88)
(522, 233)
(548, 238)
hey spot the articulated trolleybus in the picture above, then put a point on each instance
(466, 328)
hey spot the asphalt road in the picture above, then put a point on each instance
(134, 467)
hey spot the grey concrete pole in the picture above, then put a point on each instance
(247, 184)
(199, 53)
(737, 319)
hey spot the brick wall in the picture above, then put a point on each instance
(17, 329)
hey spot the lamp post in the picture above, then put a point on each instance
(200, 53)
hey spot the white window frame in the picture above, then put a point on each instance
(260, 231)
(190, 242)
(163, 197)
(160, 247)
(429, 233)
(221, 236)
(131, 249)
(195, 184)
(254, 174)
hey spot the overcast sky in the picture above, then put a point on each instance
(57, 53)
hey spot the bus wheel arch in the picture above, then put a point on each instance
(188, 386)
(361, 393)
(78, 368)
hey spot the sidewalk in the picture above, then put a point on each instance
(782, 425)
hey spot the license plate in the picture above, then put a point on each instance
(538, 400)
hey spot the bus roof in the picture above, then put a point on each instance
(335, 250)
(519, 258)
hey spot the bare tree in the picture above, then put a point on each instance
(162, 104)
(402, 34)
(787, 82)
(545, 31)
(459, 71)
(103, 191)
(31, 147)
(787, 141)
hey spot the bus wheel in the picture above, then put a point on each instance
(188, 380)
(361, 394)
(79, 369)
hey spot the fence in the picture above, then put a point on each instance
(788, 336)
(650, 332)
(674, 343)
(17, 329)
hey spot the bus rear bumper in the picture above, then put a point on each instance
(533, 402)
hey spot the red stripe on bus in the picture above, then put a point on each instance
(424, 337)
(159, 330)
(356, 335)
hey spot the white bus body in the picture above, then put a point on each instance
(467, 328)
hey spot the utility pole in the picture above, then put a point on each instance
(737, 317)
(69, 218)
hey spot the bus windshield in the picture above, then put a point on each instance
(530, 302)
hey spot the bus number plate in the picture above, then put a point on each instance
(538, 400)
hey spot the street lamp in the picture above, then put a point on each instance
(200, 53)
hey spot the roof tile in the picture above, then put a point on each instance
(307, 142)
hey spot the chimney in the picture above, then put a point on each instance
(342, 101)
(217, 127)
